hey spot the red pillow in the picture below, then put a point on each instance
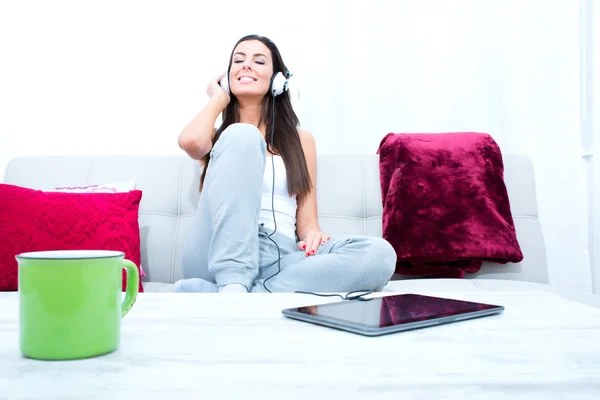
(34, 220)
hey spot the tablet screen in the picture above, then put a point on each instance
(394, 310)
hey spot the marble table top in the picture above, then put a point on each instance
(239, 346)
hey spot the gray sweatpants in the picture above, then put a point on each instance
(227, 245)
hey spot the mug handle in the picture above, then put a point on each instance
(131, 290)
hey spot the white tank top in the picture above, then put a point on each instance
(285, 205)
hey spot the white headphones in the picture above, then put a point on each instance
(279, 83)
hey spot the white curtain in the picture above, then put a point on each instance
(126, 76)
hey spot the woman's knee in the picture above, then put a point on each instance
(240, 143)
(384, 257)
(373, 259)
(242, 135)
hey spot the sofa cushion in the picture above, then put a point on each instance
(115, 187)
(35, 220)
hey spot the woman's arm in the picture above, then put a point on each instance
(196, 138)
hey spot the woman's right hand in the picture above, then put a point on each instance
(216, 93)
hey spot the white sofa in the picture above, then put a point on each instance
(349, 201)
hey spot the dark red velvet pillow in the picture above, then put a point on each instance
(34, 220)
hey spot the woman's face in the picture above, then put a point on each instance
(251, 69)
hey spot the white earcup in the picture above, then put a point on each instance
(225, 83)
(279, 85)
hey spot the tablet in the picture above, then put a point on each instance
(389, 314)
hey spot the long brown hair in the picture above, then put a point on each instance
(286, 141)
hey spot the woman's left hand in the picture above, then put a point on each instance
(313, 240)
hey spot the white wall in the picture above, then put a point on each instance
(126, 76)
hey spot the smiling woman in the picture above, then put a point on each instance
(250, 71)
(256, 228)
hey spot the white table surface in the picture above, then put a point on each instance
(222, 346)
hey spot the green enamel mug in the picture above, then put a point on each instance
(70, 302)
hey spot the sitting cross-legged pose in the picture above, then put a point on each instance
(256, 227)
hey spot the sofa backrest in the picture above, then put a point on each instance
(348, 194)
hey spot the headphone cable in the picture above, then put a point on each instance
(273, 197)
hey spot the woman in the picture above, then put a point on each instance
(250, 235)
